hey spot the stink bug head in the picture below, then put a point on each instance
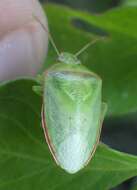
(73, 111)
(68, 58)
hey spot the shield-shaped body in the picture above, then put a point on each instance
(72, 114)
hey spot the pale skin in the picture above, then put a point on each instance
(23, 42)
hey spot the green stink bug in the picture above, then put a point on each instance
(72, 112)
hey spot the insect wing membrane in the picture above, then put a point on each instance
(72, 111)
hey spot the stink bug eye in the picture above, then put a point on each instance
(73, 111)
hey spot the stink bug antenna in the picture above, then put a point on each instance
(87, 46)
(50, 37)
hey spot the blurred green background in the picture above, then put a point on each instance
(90, 5)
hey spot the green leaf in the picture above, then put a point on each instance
(134, 187)
(130, 2)
(25, 161)
(113, 59)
